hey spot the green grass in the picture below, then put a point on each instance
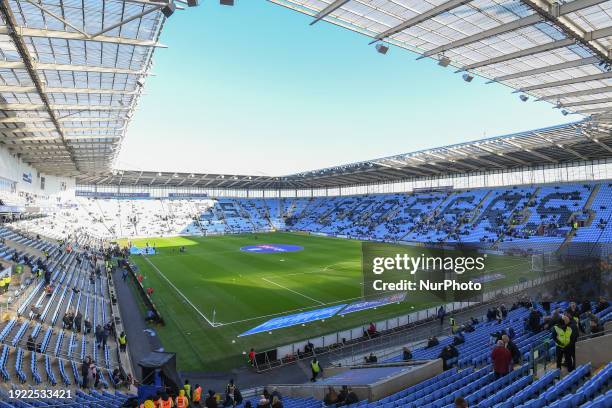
(246, 289)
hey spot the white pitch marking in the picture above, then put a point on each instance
(294, 291)
(180, 293)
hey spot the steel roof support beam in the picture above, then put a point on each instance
(492, 32)
(595, 140)
(52, 129)
(560, 146)
(531, 151)
(576, 93)
(594, 110)
(419, 18)
(34, 107)
(467, 156)
(514, 159)
(582, 103)
(94, 91)
(549, 68)
(520, 54)
(328, 10)
(70, 67)
(65, 35)
(24, 53)
(577, 80)
(512, 26)
(569, 28)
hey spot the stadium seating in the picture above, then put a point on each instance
(540, 218)
(57, 351)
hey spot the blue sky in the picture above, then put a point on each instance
(253, 89)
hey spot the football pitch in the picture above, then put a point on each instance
(214, 291)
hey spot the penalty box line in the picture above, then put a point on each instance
(181, 293)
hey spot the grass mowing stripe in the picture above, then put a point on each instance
(214, 273)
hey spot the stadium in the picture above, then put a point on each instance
(474, 272)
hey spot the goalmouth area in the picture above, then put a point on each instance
(222, 286)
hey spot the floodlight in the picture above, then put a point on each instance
(140, 82)
(467, 77)
(382, 48)
(168, 9)
(226, 2)
(444, 61)
(524, 98)
(193, 3)
(564, 112)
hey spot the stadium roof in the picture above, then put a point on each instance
(580, 141)
(71, 73)
(557, 51)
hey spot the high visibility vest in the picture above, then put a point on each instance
(187, 388)
(197, 394)
(167, 403)
(451, 321)
(181, 402)
(122, 340)
(563, 336)
(158, 403)
(315, 367)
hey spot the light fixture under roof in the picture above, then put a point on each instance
(382, 48)
(467, 77)
(444, 61)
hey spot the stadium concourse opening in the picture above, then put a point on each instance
(458, 274)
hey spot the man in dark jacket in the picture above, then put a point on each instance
(514, 351)
(85, 372)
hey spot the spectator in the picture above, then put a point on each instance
(77, 321)
(85, 372)
(231, 394)
(406, 354)
(533, 321)
(596, 327)
(263, 402)
(514, 351)
(371, 359)
(460, 402)
(602, 305)
(30, 345)
(502, 358)
(99, 334)
(276, 403)
(351, 397)
(441, 314)
(372, 332)
(432, 342)
(87, 325)
(276, 393)
(445, 355)
(211, 401)
(342, 396)
(331, 397)
(458, 339)
(186, 387)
